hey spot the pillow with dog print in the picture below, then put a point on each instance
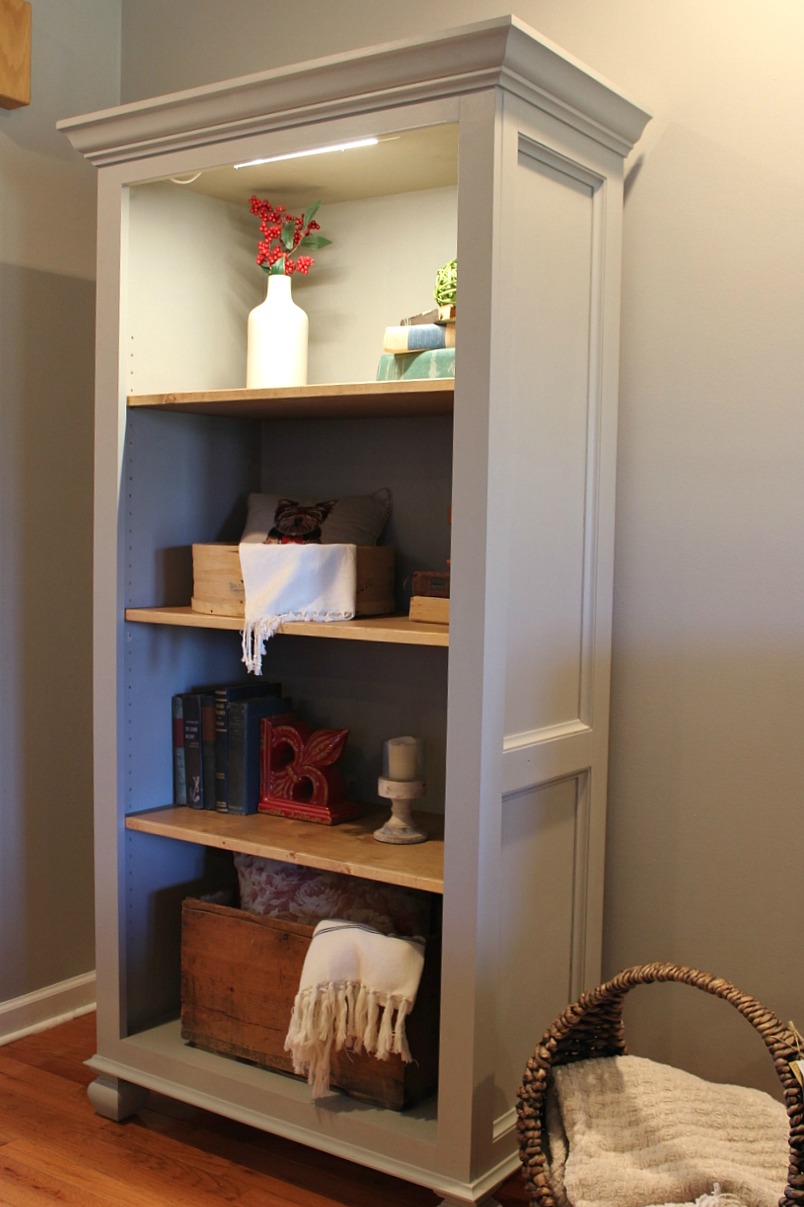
(292, 519)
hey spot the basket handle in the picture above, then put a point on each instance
(593, 1027)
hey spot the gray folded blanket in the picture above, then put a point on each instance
(628, 1132)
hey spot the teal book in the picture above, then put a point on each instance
(416, 366)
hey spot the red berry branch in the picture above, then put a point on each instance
(283, 236)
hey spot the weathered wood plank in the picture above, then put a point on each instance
(362, 399)
(349, 848)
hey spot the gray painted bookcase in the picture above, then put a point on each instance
(497, 147)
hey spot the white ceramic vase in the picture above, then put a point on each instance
(277, 339)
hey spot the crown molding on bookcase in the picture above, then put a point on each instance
(502, 52)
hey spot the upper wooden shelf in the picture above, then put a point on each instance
(353, 400)
(393, 630)
(350, 847)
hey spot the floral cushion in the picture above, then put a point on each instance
(300, 894)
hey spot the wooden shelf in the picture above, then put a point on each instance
(393, 630)
(349, 847)
(353, 400)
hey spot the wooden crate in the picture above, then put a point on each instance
(239, 976)
(218, 582)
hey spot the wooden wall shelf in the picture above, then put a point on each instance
(349, 848)
(355, 400)
(394, 630)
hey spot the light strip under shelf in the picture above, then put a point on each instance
(344, 146)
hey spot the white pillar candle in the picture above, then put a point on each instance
(402, 759)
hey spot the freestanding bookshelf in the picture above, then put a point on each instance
(495, 146)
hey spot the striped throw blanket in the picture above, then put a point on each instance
(357, 987)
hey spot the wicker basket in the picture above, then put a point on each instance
(593, 1027)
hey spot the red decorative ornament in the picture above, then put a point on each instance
(299, 778)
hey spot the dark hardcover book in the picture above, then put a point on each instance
(179, 778)
(224, 695)
(244, 748)
(193, 762)
(439, 314)
(208, 747)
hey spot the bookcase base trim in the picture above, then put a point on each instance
(114, 1095)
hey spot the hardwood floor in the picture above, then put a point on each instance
(55, 1149)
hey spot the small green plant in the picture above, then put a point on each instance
(446, 286)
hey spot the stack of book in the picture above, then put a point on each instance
(429, 602)
(421, 346)
(216, 744)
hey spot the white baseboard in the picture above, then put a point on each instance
(46, 1007)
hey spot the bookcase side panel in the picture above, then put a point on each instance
(559, 428)
(562, 202)
(476, 670)
(538, 841)
(547, 452)
(539, 481)
(108, 629)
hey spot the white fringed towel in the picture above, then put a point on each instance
(293, 582)
(624, 1131)
(357, 987)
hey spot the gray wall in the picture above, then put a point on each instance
(707, 758)
(47, 262)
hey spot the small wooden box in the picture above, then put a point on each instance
(218, 581)
(432, 583)
(239, 977)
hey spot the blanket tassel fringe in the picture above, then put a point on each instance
(257, 632)
(347, 1015)
(717, 1199)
